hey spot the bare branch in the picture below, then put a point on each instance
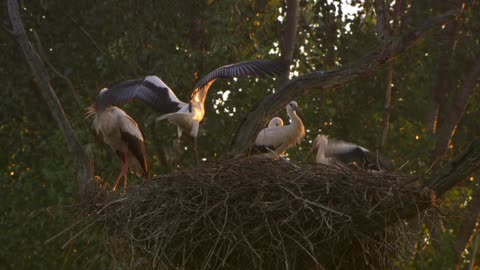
(455, 112)
(40, 74)
(444, 85)
(457, 170)
(7, 29)
(383, 25)
(388, 105)
(469, 228)
(44, 56)
(302, 85)
(99, 49)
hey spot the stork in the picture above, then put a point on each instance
(123, 135)
(275, 122)
(186, 116)
(275, 139)
(333, 152)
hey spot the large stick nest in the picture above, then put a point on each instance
(252, 214)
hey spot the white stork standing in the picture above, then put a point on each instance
(186, 116)
(333, 152)
(275, 139)
(123, 135)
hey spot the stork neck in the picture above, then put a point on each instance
(321, 143)
(322, 148)
(294, 119)
(199, 95)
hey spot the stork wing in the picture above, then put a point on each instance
(151, 90)
(271, 137)
(241, 69)
(348, 153)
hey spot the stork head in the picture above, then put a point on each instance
(102, 91)
(275, 122)
(292, 107)
(100, 103)
(319, 144)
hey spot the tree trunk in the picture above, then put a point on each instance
(461, 168)
(398, 10)
(383, 25)
(82, 161)
(289, 37)
(302, 85)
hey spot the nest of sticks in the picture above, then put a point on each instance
(259, 214)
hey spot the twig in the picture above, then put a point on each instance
(316, 204)
(77, 234)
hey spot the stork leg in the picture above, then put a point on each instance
(195, 149)
(123, 172)
(194, 134)
(179, 145)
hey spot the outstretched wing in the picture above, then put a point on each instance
(241, 69)
(151, 90)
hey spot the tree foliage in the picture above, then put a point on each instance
(95, 44)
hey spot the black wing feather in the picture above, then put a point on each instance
(245, 68)
(262, 149)
(151, 90)
(354, 155)
(138, 149)
(363, 158)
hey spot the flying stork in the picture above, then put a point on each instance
(186, 116)
(275, 139)
(345, 154)
(123, 135)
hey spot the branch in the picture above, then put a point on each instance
(289, 37)
(388, 105)
(455, 112)
(398, 10)
(44, 57)
(10, 32)
(444, 85)
(469, 227)
(40, 74)
(383, 25)
(457, 170)
(318, 80)
(99, 49)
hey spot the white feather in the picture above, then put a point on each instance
(276, 121)
(280, 138)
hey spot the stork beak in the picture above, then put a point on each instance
(299, 112)
(312, 150)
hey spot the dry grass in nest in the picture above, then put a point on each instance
(252, 214)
